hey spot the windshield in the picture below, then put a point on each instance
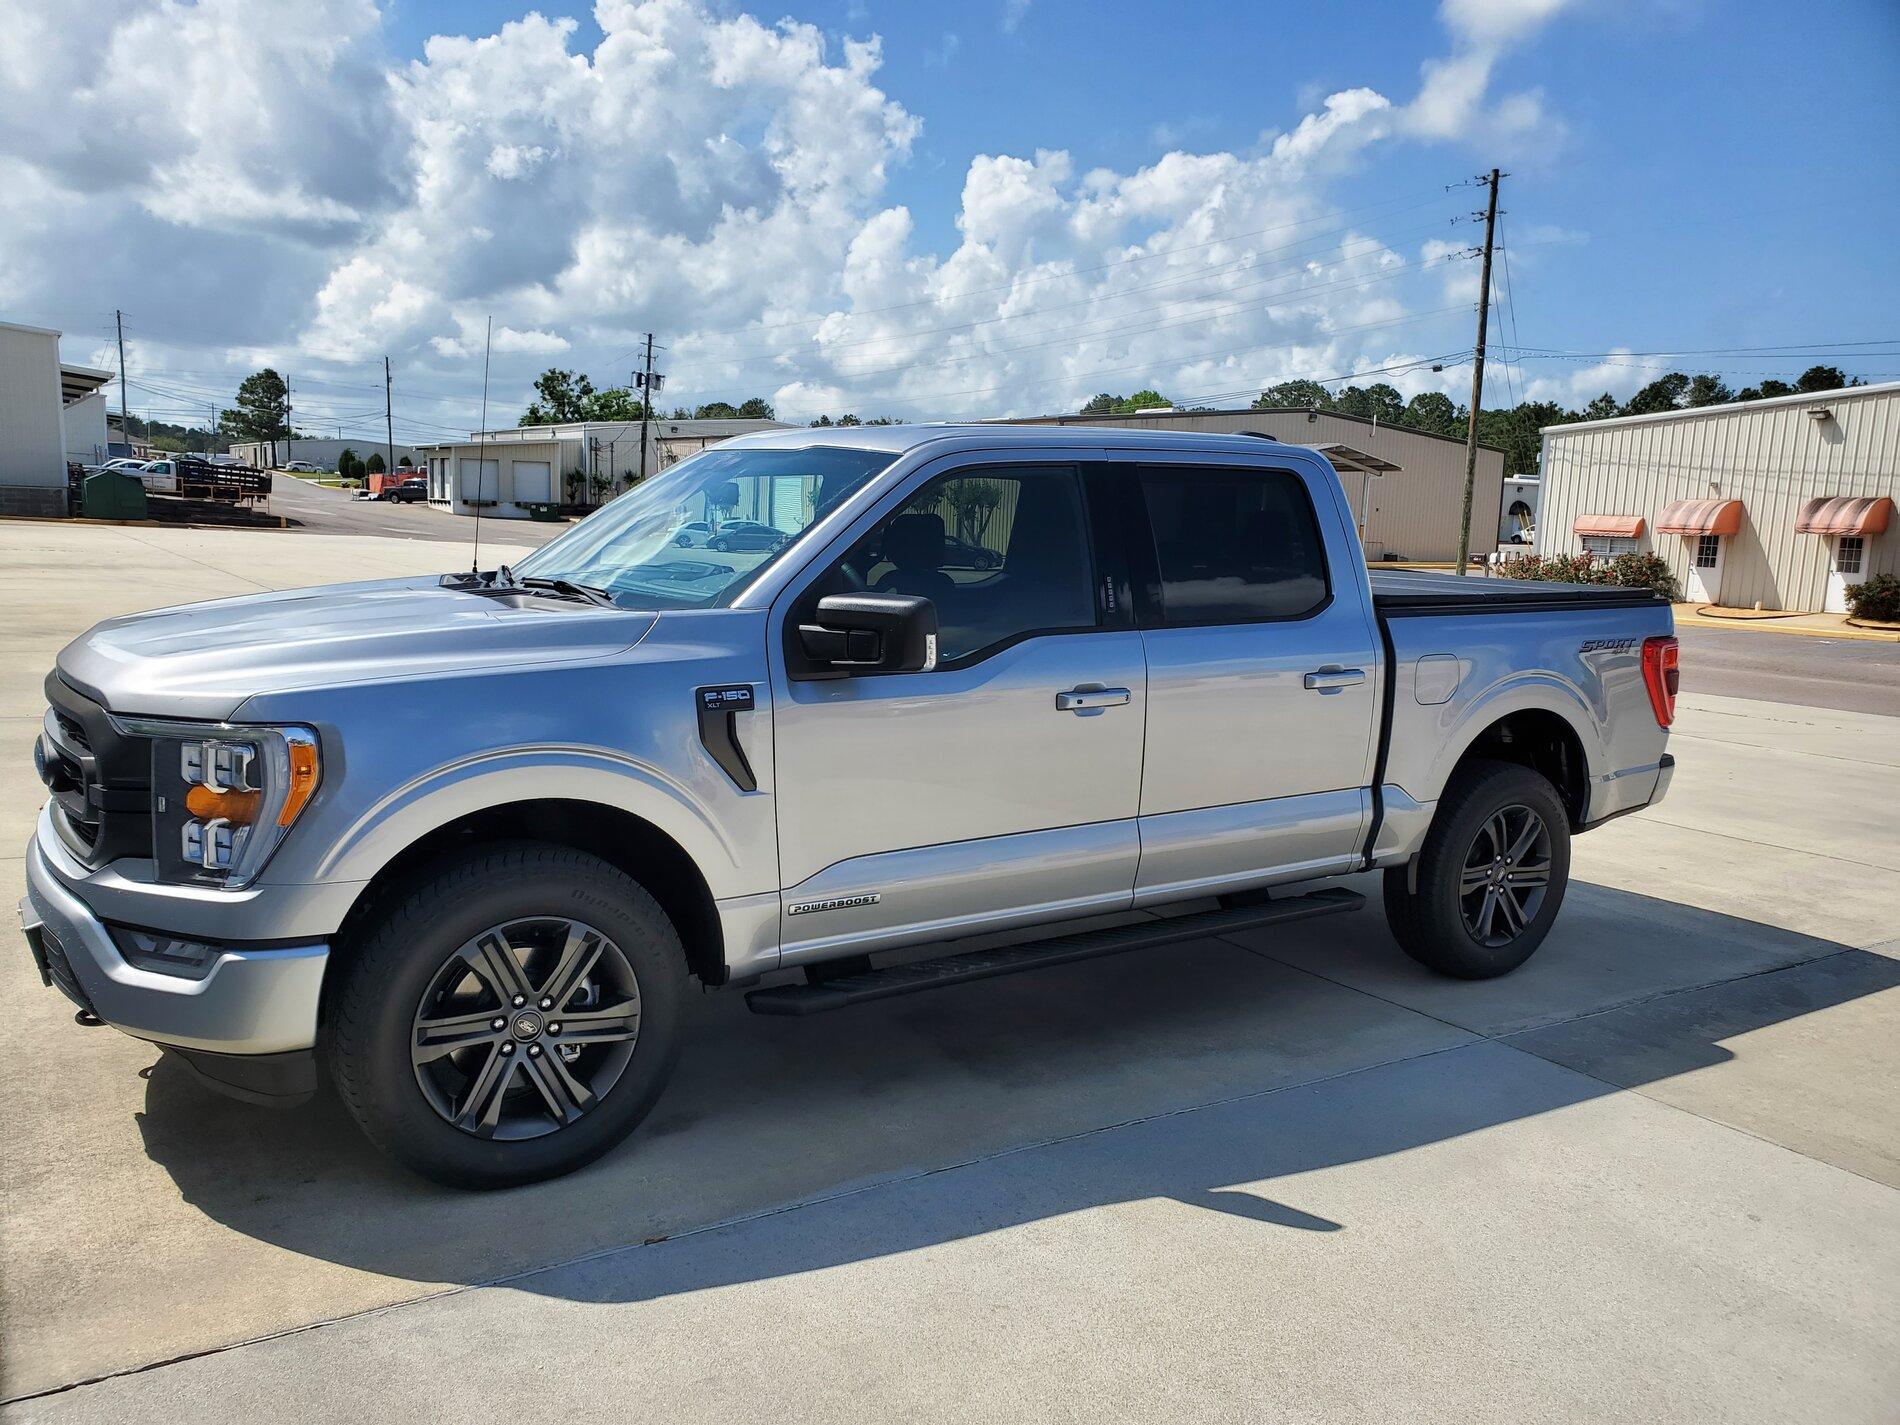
(694, 536)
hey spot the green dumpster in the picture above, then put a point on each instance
(113, 495)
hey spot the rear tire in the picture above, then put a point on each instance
(486, 937)
(1490, 877)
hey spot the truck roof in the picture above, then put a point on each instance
(902, 438)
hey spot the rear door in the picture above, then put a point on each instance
(1262, 718)
(1000, 787)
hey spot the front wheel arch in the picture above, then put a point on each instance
(628, 842)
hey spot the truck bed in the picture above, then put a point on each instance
(1400, 593)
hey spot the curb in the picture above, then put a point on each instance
(1852, 635)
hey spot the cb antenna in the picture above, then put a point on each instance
(481, 450)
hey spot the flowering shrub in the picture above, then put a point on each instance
(1877, 598)
(1628, 571)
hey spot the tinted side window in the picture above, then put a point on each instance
(1001, 551)
(1233, 545)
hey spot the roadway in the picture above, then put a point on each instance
(319, 509)
(1843, 674)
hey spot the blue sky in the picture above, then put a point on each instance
(1681, 175)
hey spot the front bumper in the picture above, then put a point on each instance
(252, 1002)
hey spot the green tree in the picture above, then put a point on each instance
(1602, 408)
(1707, 390)
(1665, 393)
(823, 421)
(1295, 396)
(1768, 388)
(1824, 378)
(348, 467)
(757, 408)
(616, 403)
(1377, 402)
(1432, 411)
(260, 412)
(374, 465)
(1145, 399)
(559, 396)
(717, 411)
(1102, 405)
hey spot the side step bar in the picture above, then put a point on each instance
(919, 975)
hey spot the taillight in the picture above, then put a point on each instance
(1662, 675)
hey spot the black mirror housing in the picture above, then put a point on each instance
(869, 633)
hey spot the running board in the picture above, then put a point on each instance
(919, 975)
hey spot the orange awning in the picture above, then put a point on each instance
(1622, 526)
(1844, 514)
(1700, 517)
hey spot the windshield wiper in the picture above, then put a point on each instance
(569, 589)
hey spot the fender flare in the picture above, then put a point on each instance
(484, 780)
(1529, 691)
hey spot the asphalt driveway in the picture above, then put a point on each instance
(1654, 1174)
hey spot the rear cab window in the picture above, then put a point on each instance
(1230, 545)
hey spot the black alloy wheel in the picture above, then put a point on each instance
(525, 1028)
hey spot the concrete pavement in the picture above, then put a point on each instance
(319, 509)
(1655, 1173)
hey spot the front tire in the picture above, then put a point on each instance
(1490, 877)
(511, 1019)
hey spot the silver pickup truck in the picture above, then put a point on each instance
(462, 844)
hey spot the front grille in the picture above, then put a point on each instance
(99, 779)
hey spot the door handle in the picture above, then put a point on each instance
(1086, 699)
(1327, 680)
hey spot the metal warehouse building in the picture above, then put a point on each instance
(52, 413)
(1779, 503)
(502, 472)
(1406, 487)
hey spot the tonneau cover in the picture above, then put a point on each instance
(1399, 592)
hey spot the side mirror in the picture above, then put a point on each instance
(870, 633)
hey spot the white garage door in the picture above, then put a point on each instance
(534, 482)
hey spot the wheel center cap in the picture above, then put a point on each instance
(527, 1025)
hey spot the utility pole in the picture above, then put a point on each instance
(1477, 377)
(125, 421)
(389, 423)
(648, 385)
(290, 449)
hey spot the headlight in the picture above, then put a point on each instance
(223, 797)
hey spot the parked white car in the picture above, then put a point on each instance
(302, 467)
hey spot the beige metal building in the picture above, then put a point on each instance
(1408, 498)
(51, 413)
(1780, 503)
(502, 472)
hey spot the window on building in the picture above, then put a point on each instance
(1233, 546)
(1848, 553)
(1707, 549)
(1608, 546)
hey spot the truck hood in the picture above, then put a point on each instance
(205, 660)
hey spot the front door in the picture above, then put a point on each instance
(1847, 564)
(977, 795)
(1705, 569)
(1262, 694)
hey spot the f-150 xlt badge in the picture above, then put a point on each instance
(835, 903)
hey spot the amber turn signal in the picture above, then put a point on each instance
(239, 808)
(303, 780)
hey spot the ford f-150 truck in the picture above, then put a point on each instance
(462, 844)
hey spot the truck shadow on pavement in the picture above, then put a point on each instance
(1221, 1069)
